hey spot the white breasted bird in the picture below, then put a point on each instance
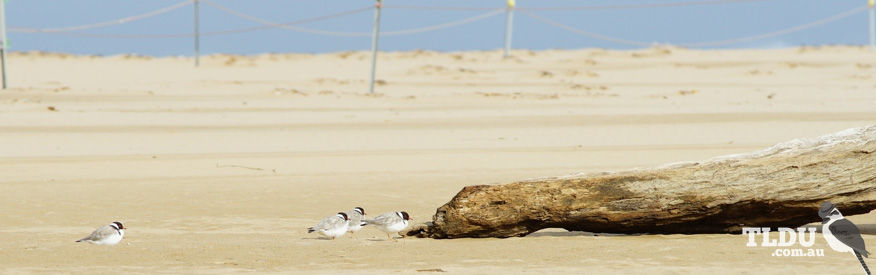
(357, 217)
(110, 234)
(841, 234)
(391, 222)
(331, 227)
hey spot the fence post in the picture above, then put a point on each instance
(509, 25)
(374, 37)
(197, 36)
(3, 41)
(870, 3)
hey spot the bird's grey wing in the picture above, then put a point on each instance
(101, 233)
(322, 224)
(376, 220)
(385, 218)
(847, 233)
(335, 222)
(329, 222)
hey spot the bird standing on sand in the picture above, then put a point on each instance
(333, 226)
(357, 218)
(841, 234)
(391, 222)
(110, 234)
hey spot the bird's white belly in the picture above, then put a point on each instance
(393, 228)
(112, 239)
(834, 243)
(334, 232)
(355, 227)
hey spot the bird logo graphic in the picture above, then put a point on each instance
(841, 234)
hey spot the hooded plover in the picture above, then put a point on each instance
(333, 226)
(110, 234)
(391, 222)
(357, 218)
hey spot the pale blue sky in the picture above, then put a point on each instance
(666, 24)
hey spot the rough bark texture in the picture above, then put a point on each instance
(779, 186)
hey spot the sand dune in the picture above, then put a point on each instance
(222, 168)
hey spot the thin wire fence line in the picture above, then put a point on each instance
(704, 43)
(412, 7)
(586, 33)
(287, 25)
(445, 25)
(578, 8)
(780, 32)
(215, 33)
(269, 25)
(106, 23)
(284, 26)
(640, 6)
(356, 34)
(188, 2)
(71, 31)
(278, 25)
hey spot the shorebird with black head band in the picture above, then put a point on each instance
(357, 217)
(110, 234)
(331, 227)
(391, 222)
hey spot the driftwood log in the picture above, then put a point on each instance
(781, 186)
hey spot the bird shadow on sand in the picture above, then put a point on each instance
(383, 240)
(318, 238)
(358, 239)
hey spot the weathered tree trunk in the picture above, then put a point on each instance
(779, 186)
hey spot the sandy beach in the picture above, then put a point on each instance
(222, 168)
